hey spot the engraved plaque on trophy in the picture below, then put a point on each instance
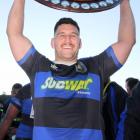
(81, 6)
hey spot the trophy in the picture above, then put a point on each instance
(80, 6)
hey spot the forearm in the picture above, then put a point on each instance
(16, 18)
(4, 126)
(127, 24)
(11, 113)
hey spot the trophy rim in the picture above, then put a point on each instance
(80, 6)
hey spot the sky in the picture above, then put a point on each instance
(98, 31)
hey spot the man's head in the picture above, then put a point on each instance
(66, 41)
(66, 21)
(15, 88)
(130, 84)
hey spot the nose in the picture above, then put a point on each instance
(67, 38)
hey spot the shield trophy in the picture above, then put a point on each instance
(81, 6)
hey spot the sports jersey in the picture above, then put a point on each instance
(67, 100)
(113, 106)
(132, 121)
(24, 103)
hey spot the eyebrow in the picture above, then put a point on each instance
(64, 33)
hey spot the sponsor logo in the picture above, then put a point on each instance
(72, 85)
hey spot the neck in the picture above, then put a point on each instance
(65, 62)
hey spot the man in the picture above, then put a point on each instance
(123, 129)
(15, 88)
(6, 100)
(20, 103)
(114, 104)
(130, 83)
(67, 97)
(132, 121)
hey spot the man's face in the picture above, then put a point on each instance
(14, 91)
(66, 43)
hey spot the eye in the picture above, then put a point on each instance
(60, 35)
(74, 36)
(63, 35)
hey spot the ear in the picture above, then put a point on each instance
(52, 43)
(80, 44)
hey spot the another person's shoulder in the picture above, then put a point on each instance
(25, 92)
(117, 88)
(136, 90)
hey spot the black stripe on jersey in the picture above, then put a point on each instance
(27, 120)
(67, 113)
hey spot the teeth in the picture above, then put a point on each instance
(67, 47)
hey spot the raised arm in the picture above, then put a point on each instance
(18, 42)
(126, 35)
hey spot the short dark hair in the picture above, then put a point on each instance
(17, 86)
(131, 82)
(66, 21)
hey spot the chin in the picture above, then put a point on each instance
(69, 59)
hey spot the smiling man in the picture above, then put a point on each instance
(61, 112)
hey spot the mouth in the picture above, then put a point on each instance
(67, 46)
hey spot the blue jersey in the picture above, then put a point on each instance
(24, 103)
(68, 104)
(132, 114)
(114, 104)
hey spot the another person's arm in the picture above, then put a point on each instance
(11, 113)
(126, 35)
(18, 42)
